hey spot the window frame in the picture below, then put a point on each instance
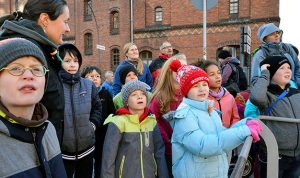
(114, 22)
(158, 15)
(87, 11)
(114, 57)
(88, 44)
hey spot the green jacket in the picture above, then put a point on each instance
(133, 149)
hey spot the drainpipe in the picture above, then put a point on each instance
(131, 21)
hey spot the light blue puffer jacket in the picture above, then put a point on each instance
(200, 142)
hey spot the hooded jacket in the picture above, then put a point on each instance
(200, 143)
(133, 147)
(29, 148)
(53, 98)
(269, 48)
(81, 117)
(287, 135)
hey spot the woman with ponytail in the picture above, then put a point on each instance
(44, 23)
(132, 58)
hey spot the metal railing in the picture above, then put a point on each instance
(271, 144)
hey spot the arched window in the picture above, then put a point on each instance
(233, 8)
(114, 22)
(87, 10)
(114, 57)
(158, 14)
(146, 56)
(88, 44)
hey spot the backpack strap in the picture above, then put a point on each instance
(275, 102)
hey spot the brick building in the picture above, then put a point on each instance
(155, 21)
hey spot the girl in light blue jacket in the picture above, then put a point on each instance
(199, 141)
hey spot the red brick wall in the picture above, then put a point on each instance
(181, 21)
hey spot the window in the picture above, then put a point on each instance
(115, 58)
(114, 22)
(87, 10)
(158, 14)
(146, 56)
(88, 44)
(233, 6)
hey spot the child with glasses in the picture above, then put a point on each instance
(29, 145)
(93, 73)
(82, 115)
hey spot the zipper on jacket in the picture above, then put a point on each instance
(121, 166)
(146, 134)
(74, 122)
(220, 107)
(33, 134)
(297, 129)
(141, 156)
(155, 164)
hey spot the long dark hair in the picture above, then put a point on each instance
(33, 9)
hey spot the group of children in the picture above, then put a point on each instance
(188, 130)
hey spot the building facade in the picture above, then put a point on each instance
(109, 24)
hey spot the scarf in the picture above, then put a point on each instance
(69, 78)
(217, 95)
(162, 56)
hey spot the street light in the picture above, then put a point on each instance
(97, 28)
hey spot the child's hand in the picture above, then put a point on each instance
(255, 129)
(264, 67)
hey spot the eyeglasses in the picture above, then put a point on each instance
(18, 70)
(93, 77)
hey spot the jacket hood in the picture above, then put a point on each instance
(266, 30)
(231, 60)
(125, 111)
(27, 28)
(39, 116)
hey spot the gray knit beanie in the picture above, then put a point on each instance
(14, 48)
(130, 87)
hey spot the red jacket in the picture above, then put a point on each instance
(164, 126)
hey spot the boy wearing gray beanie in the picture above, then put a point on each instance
(133, 132)
(25, 133)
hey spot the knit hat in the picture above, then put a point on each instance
(124, 70)
(266, 30)
(70, 47)
(223, 54)
(275, 63)
(132, 86)
(14, 48)
(189, 75)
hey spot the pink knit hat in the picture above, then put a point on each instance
(189, 75)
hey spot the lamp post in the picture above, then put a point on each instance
(97, 29)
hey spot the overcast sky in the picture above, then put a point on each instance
(290, 23)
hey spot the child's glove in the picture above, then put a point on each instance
(255, 129)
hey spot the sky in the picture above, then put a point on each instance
(290, 23)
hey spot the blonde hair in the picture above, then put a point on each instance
(165, 89)
(140, 66)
